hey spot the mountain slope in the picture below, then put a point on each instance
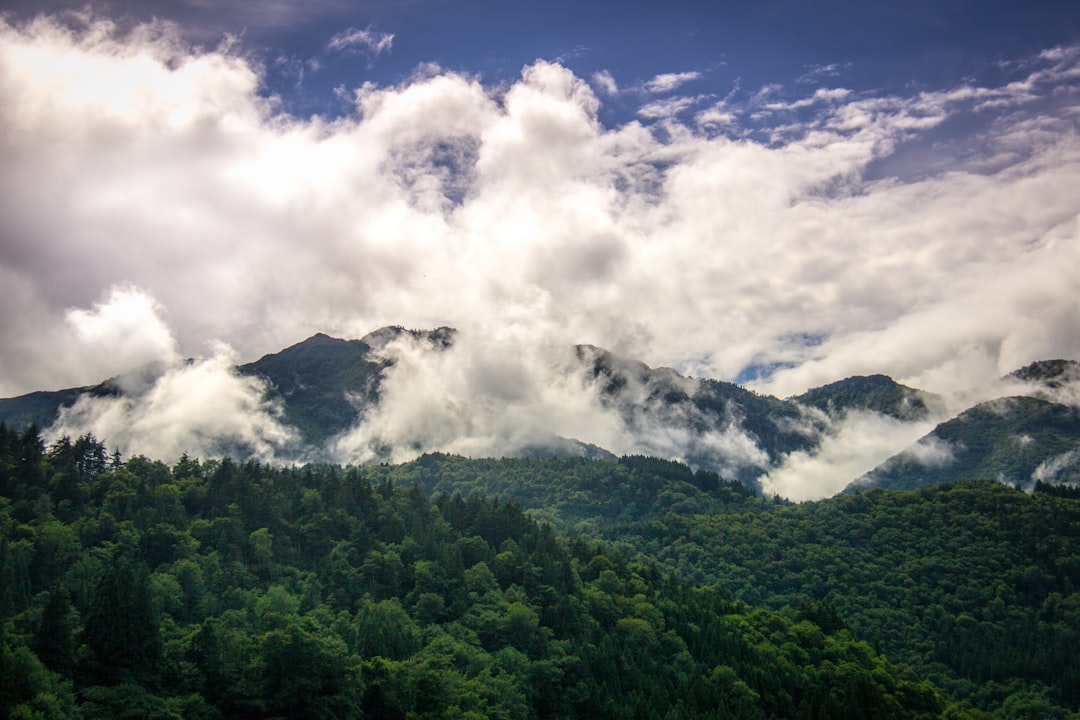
(1050, 373)
(725, 427)
(971, 583)
(323, 383)
(37, 408)
(877, 393)
(1015, 440)
(346, 399)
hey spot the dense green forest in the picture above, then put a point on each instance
(975, 585)
(129, 588)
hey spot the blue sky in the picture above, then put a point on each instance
(782, 192)
(875, 46)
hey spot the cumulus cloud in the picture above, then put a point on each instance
(169, 406)
(717, 116)
(124, 328)
(512, 211)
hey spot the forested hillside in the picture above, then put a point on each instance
(131, 589)
(1014, 440)
(975, 585)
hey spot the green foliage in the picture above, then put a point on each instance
(317, 378)
(579, 494)
(974, 585)
(1004, 440)
(964, 583)
(214, 590)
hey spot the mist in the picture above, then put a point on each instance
(484, 397)
(165, 406)
(849, 448)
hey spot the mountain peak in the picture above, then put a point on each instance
(1048, 372)
(440, 338)
(879, 393)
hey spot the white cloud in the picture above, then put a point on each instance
(821, 95)
(513, 213)
(203, 409)
(666, 82)
(124, 328)
(717, 115)
(168, 406)
(668, 107)
(367, 41)
(480, 397)
(499, 395)
(849, 448)
(605, 82)
(1050, 470)
(930, 452)
(815, 73)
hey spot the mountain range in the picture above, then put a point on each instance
(330, 399)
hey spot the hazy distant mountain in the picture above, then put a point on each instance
(878, 393)
(323, 383)
(708, 411)
(326, 386)
(1050, 373)
(1014, 440)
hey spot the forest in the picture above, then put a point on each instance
(528, 588)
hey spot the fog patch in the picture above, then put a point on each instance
(930, 452)
(657, 424)
(850, 448)
(1062, 388)
(202, 408)
(477, 397)
(1060, 468)
(499, 396)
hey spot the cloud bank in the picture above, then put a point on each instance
(165, 406)
(933, 237)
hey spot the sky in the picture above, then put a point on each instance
(780, 193)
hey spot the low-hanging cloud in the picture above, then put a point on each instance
(165, 406)
(125, 329)
(202, 408)
(849, 447)
(1060, 468)
(478, 397)
(496, 396)
(134, 160)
